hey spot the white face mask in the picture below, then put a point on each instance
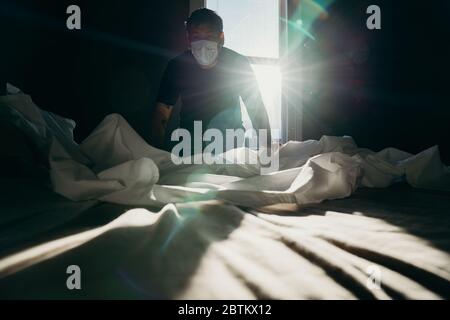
(205, 52)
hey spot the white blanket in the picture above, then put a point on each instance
(217, 250)
(114, 164)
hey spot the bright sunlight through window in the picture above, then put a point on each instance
(252, 28)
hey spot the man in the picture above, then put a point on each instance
(209, 79)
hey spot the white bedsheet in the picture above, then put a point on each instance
(123, 168)
(208, 250)
(212, 249)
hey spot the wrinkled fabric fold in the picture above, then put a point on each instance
(114, 164)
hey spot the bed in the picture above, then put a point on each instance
(335, 222)
(218, 251)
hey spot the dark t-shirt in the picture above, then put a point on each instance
(209, 95)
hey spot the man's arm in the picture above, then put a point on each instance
(258, 115)
(161, 117)
(254, 103)
(167, 96)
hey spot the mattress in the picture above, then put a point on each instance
(378, 244)
(135, 224)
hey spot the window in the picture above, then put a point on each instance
(252, 28)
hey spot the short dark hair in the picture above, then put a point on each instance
(207, 17)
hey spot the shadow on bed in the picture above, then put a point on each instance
(420, 213)
(160, 257)
(423, 213)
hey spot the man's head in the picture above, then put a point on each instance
(204, 29)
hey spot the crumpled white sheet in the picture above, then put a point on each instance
(123, 168)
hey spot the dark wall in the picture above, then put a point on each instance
(113, 64)
(385, 88)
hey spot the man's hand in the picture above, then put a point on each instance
(254, 104)
(161, 117)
